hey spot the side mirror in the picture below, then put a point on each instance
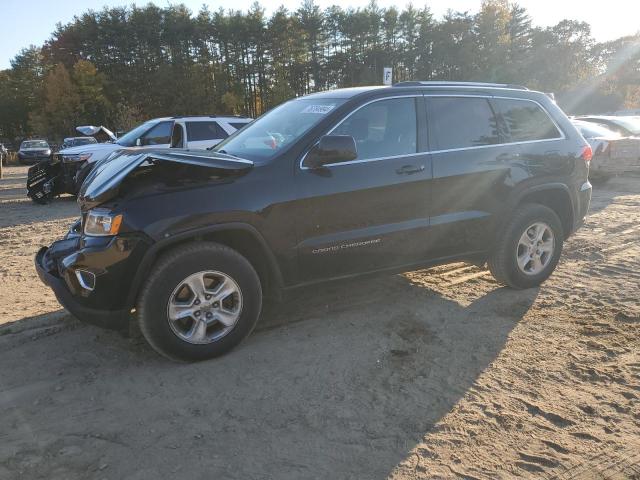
(138, 142)
(331, 149)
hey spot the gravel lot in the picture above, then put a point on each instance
(431, 374)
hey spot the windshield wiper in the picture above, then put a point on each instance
(224, 152)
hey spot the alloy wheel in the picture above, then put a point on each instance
(204, 307)
(535, 248)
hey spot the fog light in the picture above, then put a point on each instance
(87, 280)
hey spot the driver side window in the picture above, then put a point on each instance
(158, 135)
(385, 128)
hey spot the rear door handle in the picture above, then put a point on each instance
(410, 169)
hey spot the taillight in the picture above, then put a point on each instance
(587, 154)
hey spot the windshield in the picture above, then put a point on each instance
(268, 135)
(34, 144)
(84, 141)
(129, 138)
(595, 130)
(630, 123)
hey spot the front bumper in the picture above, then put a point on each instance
(111, 262)
(103, 318)
(33, 158)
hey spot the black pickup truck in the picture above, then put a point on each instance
(327, 186)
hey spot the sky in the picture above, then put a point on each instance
(30, 22)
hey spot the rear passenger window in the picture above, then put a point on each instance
(385, 128)
(525, 120)
(459, 122)
(205, 131)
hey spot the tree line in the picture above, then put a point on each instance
(118, 66)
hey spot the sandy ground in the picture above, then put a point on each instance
(25, 227)
(432, 374)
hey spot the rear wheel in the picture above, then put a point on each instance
(199, 302)
(529, 249)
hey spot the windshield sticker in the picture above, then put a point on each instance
(321, 109)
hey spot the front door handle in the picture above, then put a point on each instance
(410, 169)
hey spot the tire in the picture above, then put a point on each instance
(527, 219)
(166, 282)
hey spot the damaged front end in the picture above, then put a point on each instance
(43, 182)
(91, 270)
(53, 177)
(76, 266)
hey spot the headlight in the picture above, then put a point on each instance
(102, 223)
(47, 152)
(78, 157)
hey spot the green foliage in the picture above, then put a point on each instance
(60, 106)
(120, 65)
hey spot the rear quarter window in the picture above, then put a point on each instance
(525, 120)
(461, 122)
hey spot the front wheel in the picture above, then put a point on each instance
(199, 302)
(529, 249)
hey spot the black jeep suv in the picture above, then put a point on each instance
(327, 186)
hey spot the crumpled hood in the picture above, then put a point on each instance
(98, 150)
(104, 181)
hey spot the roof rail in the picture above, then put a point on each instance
(208, 116)
(437, 83)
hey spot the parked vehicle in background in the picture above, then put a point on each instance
(203, 132)
(4, 153)
(70, 166)
(598, 135)
(628, 112)
(613, 153)
(327, 186)
(196, 132)
(626, 126)
(34, 151)
(77, 141)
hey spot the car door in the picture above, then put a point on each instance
(204, 134)
(372, 212)
(471, 172)
(530, 126)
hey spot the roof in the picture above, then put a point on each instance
(204, 117)
(344, 92)
(606, 117)
(420, 85)
(438, 83)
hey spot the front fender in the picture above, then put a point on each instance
(196, 234)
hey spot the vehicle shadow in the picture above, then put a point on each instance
(339, 381)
